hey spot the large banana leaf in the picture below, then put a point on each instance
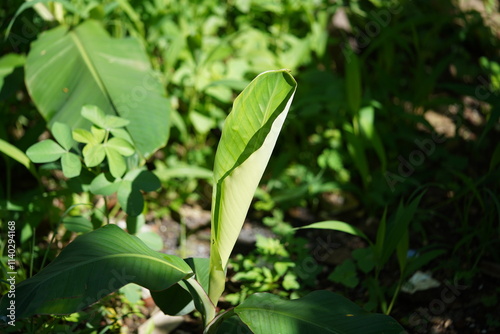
(91, 267)
(67, 69)
(248, 138)
(319, 312)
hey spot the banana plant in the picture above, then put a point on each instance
(100, 262)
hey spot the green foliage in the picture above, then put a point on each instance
(101, 76)
(263, 312)
(89, 264)
(392, 239)
(269, 268)
(395, 98)
(242, 156)
(108, 249)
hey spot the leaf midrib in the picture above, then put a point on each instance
(90, 65)
(128, 255)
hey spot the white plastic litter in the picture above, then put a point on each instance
(420, 281)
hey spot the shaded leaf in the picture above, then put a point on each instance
(318, 312)
(130, 198)
(102, 185)
(184, 301)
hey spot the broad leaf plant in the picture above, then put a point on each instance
(102, 261)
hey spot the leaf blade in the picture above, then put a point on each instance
(318, 312)
(249, 135)
(68, 69)
(45, 151)
(92, 266)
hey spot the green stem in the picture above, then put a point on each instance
(182, 238)
(201, 300)
(213, 326)
(395, 296)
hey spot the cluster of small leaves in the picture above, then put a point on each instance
(107, 139)
(98, 144)
(267, 269)
(48, 151)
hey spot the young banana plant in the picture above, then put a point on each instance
(248, 139)
(102, 261)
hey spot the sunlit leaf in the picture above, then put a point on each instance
(91, 267)
(67, 69)
(248, 138)
(71, 164)
(45, 151)
(93, 155)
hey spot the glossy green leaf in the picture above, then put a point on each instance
(402, 251)
(45, 151)
(248, 138)
(71, 164)
(92, 266)
(68, 69)
(62, 133)
(420, 260)
(337, 226)
(319, 312)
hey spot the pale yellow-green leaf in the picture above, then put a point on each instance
(248, 138)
